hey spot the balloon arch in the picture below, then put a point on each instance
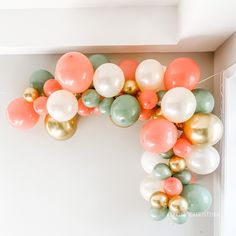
(179, 130)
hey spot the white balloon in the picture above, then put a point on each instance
(149, 160)
(149, 75)
(108, 80)
(149, 186)
(178, 104)
(203, 159)
(62, 105)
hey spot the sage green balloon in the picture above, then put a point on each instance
(162, 171)
(158, 213)
(179, 219)
(167, 155)
(125, 110)
(38, 78)
(105, 106)
(199, 198)
(97, 60)
(185, 176)
(160, 95)
(90, 98)
(205, 101)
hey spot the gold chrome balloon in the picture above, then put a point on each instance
(30, 94)
(178, 205)
(130, 87)
(203, 129)
(60, 130)
(157, 113)
(159, 199)
(177, 164)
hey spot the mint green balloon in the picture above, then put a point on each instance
(185, 176)
(38, 78)
(162, 171)
(205, 100)
(97, 60)
(199, 198)
(160, 95)
(125, 110)
(105, 106)
(90, 98)
(179, 219)
(158, 213)
(167, 155)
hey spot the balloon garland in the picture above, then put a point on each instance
(178, 135)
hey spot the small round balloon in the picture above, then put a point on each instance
(182, 147)
(172, 186)
(40, 105)
(129, 67)
(90, 98)
(105, 106)
(97, 60)
(148, 99)
(145, 114)
(51, 86)
(158, 213)
(83, 110)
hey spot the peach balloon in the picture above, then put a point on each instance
(74, 72)
(172, 186)
(148, 99)
(83, 110)
(182, 72)
(50, 86)
(182, 147)
(158, 135)
(21, 114)
(40, 105)
(129, 67)
(145, 114)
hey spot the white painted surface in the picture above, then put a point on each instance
(79, 187)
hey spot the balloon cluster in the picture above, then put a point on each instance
(178, 136)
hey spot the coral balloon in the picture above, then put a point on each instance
(182, 72)
(182, 147)
(172, 186)
(74, 72)
(40, 105)
(158, 135)
(83, 110)
(145, 114)
(148, 99)
(51, 86)
(21, 114)
(129, 67)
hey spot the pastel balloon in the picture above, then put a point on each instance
(74, 72)
(198, 197)
(129, 67)
(21, 114)
(162, 171)
(182, 147)
(108, 80)
(182, 72)
(158, 213)
(178, 219)
(97, 60)
(105, 106)
(83, 110)
(185, 176)
(40, 105)
(145, 114)
(158, 135)
(90, 98)
(150, 160)
(203, 159)
(148, 99)
(178, 105)
(149, 186)
(203, 129)
(62, 105)
(172, 186)
(51, 86)
(160, 95)
(149, 75)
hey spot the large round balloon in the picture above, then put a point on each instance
(149, 75)
(62, 105)
(182, 72)
(108, 80)
(21, 114)
(203, 159)
(198, 197)
(178, 105)
(203, 129)
(74, 72)
(158, 135)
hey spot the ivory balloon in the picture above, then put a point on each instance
(108, 80)
(62, 105)
(203, 159)
(149, 75)
(178, 104)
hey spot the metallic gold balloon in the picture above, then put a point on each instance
(159, 200)
(131, 87)
(30, 94)
(203, 129)
(157, 113)
(60, 130)
(178, 205)
(177, 164)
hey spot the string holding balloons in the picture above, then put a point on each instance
(179, 130)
